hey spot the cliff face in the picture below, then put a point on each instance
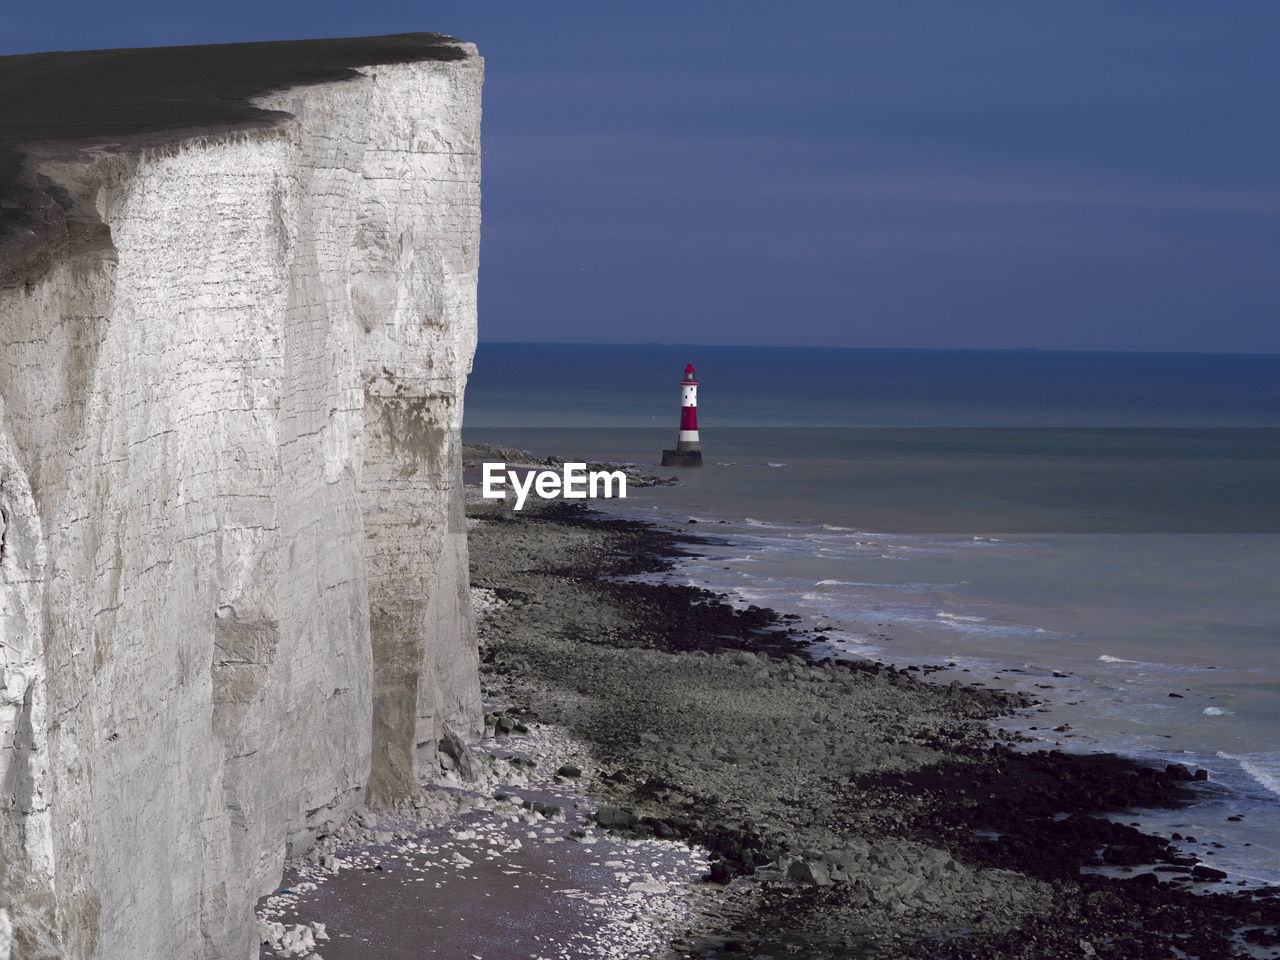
(233, 585)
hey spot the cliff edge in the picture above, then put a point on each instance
(237, 314)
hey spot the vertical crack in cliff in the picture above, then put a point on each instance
(19, 784)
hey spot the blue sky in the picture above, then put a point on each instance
(991, 175)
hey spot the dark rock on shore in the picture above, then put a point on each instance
(454, 754)
(616, 818)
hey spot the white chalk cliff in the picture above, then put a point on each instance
(233, 572)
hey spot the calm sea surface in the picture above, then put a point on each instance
(1112, 517)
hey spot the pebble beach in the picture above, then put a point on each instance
(666, 774)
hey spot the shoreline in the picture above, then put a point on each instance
(937, 804)
(851, 809)
(1236, 810)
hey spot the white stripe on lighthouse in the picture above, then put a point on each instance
(687, 435)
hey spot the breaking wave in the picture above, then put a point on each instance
(1265, 771)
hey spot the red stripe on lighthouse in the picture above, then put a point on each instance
(688, 418)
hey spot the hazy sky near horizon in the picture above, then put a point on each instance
(1066, 176)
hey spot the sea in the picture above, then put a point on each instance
(1099, 530)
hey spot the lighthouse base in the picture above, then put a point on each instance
(682, 458)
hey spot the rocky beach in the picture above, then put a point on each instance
(689, 778)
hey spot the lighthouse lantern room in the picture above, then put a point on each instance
(688, 451)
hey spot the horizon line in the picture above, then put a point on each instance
(815, 346)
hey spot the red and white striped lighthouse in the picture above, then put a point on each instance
(688, 451)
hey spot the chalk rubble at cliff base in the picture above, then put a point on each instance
(505, 862)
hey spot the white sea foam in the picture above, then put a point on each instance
(1107, 658)
(1215, 712)
(777, 464)
(876, 584)
(856, 645)
(966, 618)
(1264, 769)
(1269, 778)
